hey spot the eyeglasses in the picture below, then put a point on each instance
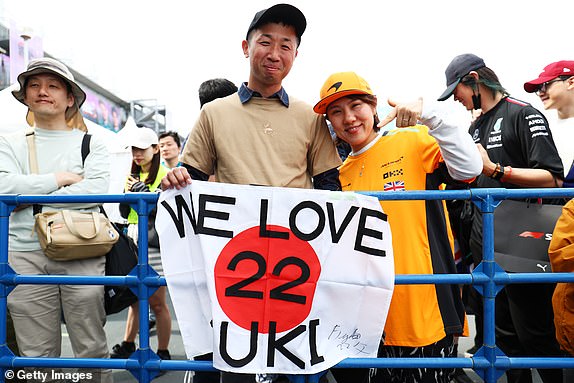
(544, 86)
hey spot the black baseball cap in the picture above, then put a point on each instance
(280, 13)
(459, 67)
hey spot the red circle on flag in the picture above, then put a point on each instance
(262, 279)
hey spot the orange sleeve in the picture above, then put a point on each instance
(561, 249)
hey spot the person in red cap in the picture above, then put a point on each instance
(555, 87)
(517, 152)
(423, 320)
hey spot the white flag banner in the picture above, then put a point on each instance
(276, 280)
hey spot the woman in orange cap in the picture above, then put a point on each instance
(423, 320)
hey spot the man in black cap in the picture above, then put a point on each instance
(517, 152)
(261, 115)
(261, 135)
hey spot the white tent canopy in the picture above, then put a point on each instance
(13, 112)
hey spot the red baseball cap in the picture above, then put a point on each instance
(550, 72)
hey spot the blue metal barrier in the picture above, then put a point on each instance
(489, 362)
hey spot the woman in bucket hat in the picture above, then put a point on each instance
(423, 319)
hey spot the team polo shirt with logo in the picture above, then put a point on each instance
(516, 134)
(410, 159)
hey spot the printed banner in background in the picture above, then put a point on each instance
(276, 280)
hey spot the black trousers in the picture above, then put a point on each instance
(351, 375)
(525, 327)
(524, 319)
(205, 376)
(231, 377)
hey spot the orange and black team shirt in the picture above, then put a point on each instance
(410, 159)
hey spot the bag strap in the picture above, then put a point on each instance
(85, 147)
(32, 160)
(33, 157)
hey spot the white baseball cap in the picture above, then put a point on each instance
(142, 138)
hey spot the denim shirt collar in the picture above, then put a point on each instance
(246, 94)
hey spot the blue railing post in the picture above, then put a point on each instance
(488, 289)
(144, 354)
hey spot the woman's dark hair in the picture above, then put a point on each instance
(153, 170)
(488, 78)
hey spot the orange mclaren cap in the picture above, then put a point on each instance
(340, 85)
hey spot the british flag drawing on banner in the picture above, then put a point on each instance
(394, 186)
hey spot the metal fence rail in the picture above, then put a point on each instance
(489, 362)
